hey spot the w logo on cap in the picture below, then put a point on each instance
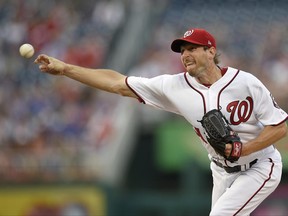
(188, 33)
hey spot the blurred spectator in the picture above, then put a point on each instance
(44, 120)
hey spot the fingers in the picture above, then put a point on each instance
(43, 68)
(49, 65)
(228, 149)
(42, 59)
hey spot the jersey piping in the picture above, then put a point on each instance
(141, 100)
(218, 101)
(203, 99)
(269, 177)
(281, 122)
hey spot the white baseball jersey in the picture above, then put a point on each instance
(242, 98)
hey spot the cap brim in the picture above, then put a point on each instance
(176, 44)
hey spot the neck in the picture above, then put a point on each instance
(208, 77)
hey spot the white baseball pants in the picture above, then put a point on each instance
(241, 192)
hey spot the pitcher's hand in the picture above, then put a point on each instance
(50, 65)
(228, 149)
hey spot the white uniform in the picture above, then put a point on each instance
(248, 106)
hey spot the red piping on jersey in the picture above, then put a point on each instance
(281, 122)
(218, 101)
(138, 96)
(204, 104)
(269, 177)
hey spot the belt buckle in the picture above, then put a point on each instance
(248, 165)
(244, 167)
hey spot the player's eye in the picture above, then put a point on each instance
(189, 49)
(192, 49)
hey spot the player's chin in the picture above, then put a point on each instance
(191, 69)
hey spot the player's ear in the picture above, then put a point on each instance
(212, 51)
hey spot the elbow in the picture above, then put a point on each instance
(283, 129)
(121, 90)
(126, 92)
(117, 89)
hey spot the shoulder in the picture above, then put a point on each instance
(243, 75)
(248, 81)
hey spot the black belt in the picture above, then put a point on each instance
(237, 168)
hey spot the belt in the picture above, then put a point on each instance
(237, 168)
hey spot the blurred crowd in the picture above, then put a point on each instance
(44, 120)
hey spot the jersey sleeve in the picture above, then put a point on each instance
(151, 91)
(267, 110)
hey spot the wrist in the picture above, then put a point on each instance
(245, 150)
(65, 70)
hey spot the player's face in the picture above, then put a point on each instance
(194, 58)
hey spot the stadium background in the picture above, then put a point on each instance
(67, 149)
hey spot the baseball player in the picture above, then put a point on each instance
(239, 186)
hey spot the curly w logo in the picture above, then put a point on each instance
(240, 110)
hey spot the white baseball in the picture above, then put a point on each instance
(26, 50)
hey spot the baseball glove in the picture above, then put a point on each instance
(219, 133)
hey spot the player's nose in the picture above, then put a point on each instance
(184, 55)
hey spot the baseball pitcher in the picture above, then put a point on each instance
(232, 112)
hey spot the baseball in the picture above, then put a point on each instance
(26, 50)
